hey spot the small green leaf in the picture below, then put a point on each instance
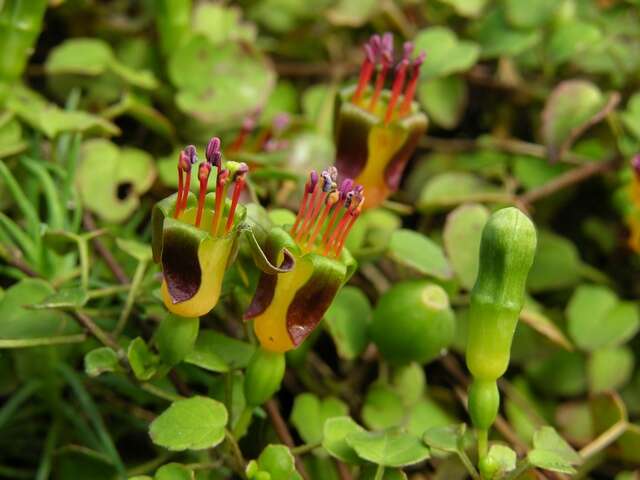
(352, 13)
(391, 448)
(143, 363)
(176, 337)
(218, 353)
(112, 179)
(497, 38)
(445, 53)
(369, 473)
(444, 99)
(467, 8)
(556, 264)
(447, 438)
(610, 368)
(427, 414)
(563, 373)
(336, 430)
(531, 14)
(85, 56)
(347, 320)
(461, 236)
(64, 299)
(572, 39)
(275, 460)
(138, 250)
(174, 471)
(220, 84)
(572, 107)
(310, 413)
(196, 423)
(101, 360)
(410, 383)
(597, 318)
(420, 253)
(453, 188)
(631, 116)
(382, 407)
(552, 452)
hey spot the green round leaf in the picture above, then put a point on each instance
(347, 320)
(196, 423)
(334, 441)
(445, 53)
(310, 413)
(391, 448)
(419, 253)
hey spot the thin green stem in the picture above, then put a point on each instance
(379, 473)
(483, 443)
(306, 448)
(108, 291)
(41, 341)
(138, 276)
(235, 450)
(468, 464)
(522, 467)
(83, 254)
(160, 393)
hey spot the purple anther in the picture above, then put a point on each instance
(213, 151)
(313, 181)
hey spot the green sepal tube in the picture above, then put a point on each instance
(176, 337)
(263, 376)
(507, 250)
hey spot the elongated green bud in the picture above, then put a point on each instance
(263, 376)
(507, 250)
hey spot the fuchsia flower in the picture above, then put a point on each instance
(195, 238)
(377, 130)
(291, 299)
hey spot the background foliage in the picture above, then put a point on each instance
(533, 104)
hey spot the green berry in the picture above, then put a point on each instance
(413, 322)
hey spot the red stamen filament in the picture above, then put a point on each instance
(220, 193)
(309, 214)
(398, 83)
(237, 189)
(303, 208)
(316, 231)
(365, 76)
(409, 93)
(314, 214)
(345, 234)
(201, 195)
(379, 84)
(336, 233)
(187, 189)
(180, 189)
(332, 221)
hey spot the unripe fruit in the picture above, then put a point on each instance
(413, 322)
(263, 376)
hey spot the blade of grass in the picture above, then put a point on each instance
(95, 418)
(44, 469)
(22, 239)
(17, 399)
(23, 203)
(56, 218)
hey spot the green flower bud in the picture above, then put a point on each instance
(263, 376)
(507, 250)
(413, 321)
